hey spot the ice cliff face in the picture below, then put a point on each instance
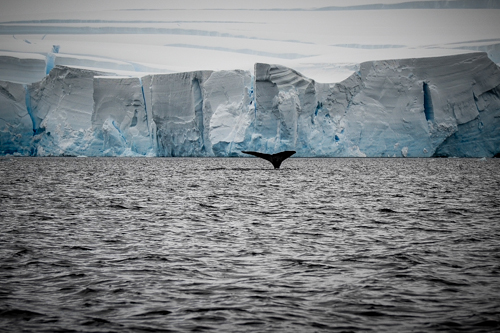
(296, 113)
(228, 100)
(120, 123)
(61, 107)
(201, 113)
(16, 129)
(415, 105)
(412, 108)
(446, 106)
(176, 103)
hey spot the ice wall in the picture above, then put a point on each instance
(200, 113)
(480, 136)
(444, 106)
(281, 95)
(61, 109)
(120, 122)
(16, 129)
(176, 104)
(406, 108)
(228, 100)
(294, 112)
(412, 106)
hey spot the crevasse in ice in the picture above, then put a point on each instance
(441, 106)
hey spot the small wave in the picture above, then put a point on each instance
(41, 216)
(207, 206)
(447, 282)
(126, 259)
(113, 241)
(95, 322)
(490, 324)
(22, 252)
(371, 313)
(447, 325)
(249, 246)
(81, 248)
(387, 210)
(76, 275)
(154, 313)
(88, 291)
(212, 309)
(454, 212)
(212, 318)
(19, 314)
(118, 206)
(118, 291)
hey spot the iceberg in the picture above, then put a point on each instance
(422, 107)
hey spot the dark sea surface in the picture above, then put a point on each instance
(232, 245)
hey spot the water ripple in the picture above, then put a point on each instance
(231, 245)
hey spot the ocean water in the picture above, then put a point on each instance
(232, 245)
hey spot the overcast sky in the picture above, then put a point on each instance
(13, 7)
(155, 36)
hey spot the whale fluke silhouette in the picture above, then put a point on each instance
(275, 159)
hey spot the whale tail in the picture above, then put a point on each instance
(275, 159)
